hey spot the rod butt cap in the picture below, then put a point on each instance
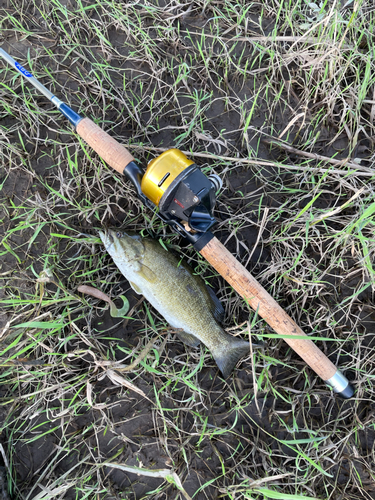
(340, 385)
(347, 393)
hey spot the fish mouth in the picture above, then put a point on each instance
(106, 238)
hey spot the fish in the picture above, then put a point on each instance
(178, 294)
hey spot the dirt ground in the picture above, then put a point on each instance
(273, 427)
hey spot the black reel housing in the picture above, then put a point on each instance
(191, 198)
(184, 195)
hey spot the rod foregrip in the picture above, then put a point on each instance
(112, 152)
(262, 302)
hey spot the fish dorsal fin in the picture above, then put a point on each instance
(188, 338)
(135, 288)
(217, 308)
(147, 274)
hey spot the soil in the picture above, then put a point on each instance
(152, 432)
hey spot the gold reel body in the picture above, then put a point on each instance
(161, 172)
(181, 191)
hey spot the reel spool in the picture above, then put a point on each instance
(181, 191)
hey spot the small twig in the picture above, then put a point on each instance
(23, 362)
(138, 359)
(117, 379)
(338, 209)
(255, 382)
(270, 39)
(315, 156)
(167, 474)
(260, 232)
(257, 162)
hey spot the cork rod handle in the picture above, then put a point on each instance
(113, 153)
(260, 300)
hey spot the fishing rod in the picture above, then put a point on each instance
(185, 199)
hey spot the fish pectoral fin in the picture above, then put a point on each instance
(227, 355)
(188, 338)
(135, 288)
(147, 274)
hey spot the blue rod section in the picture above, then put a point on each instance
(72, 116)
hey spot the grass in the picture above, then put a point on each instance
(278, 99)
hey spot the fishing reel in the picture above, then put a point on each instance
(184, 195)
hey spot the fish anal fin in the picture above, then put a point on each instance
(188, 338)
(228, 354)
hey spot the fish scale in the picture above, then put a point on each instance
(176, 293)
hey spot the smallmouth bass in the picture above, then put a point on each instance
(181, 297)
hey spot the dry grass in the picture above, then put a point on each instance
(249, 90)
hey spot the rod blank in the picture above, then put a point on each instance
(41, 88)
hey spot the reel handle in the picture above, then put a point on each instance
(112, 152)
(262, 302)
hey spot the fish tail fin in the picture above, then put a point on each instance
(227, 354)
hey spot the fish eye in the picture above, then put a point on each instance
(119, 235)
